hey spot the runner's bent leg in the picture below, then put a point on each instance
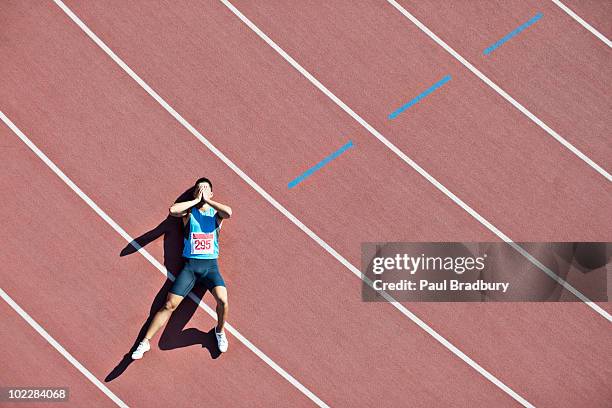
(220, 295)
(162, 316)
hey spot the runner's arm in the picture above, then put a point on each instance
(224, 211)
(180, 209)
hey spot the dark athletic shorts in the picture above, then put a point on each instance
(202, 271)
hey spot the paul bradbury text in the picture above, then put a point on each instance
(446, 285)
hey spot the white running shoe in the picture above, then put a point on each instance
(221, 341)
(143, 347)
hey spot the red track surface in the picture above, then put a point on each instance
(28, 360)
(595, 12)
(289, 297)
(556, 68)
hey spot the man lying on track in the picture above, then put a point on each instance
(202, 219)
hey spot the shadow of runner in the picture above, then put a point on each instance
(158, 302)
(173, 335)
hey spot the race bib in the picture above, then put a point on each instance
(202, 243)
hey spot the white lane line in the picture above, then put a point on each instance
(156, 263)
(500, 91)
(286, 212)
(61, 349)
(413, 164)
(583, 23)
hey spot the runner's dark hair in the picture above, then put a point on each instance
(203, 180)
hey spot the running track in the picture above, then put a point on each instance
(290, 297)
